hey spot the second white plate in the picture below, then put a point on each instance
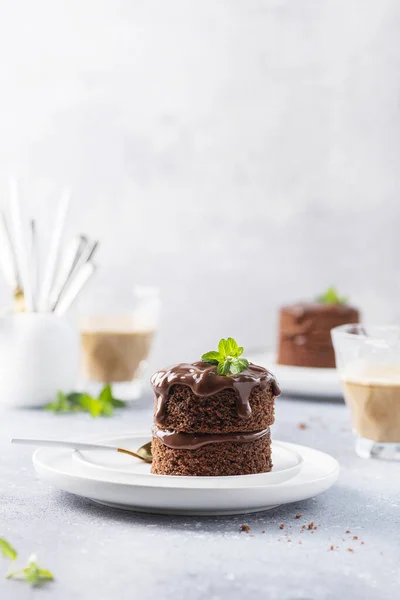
(301, 381)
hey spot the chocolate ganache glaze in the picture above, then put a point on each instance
(191, 441)
(203, 380)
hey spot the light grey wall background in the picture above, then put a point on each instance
(237, 153)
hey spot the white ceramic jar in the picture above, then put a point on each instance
(39, 355)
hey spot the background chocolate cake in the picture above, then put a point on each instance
(304, 330)
(206, 423)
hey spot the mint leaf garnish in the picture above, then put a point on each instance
(238, 365)
(32, 573)
(212, 357)
(81, 402)
(330, 296)
(227, 358)
(7, 550)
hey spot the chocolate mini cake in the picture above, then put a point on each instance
(305, 331)
(207, 423)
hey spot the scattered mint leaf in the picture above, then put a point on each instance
(227, 358)
(32, 573)
(107, 409)
(93, 405)
(106, 394)
(7, 550)
(81, 402)
(59, 405)
(118, 403)
(74, 398)
(330, 296)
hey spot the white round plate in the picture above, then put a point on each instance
(287, 464)
(301, 381)
(184, 495)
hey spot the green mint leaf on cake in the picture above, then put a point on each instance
(238, 365)
(212, 358)
(74, 402)
(7, 550)
(227, 358)
(330, 296)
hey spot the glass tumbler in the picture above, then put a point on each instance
(368, 359)
(115, 347)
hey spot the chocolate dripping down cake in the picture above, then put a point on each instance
(212, 417)
(305, 330)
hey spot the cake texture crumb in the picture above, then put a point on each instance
(229, 458)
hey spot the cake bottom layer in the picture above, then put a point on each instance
(229, 458)
(320, 356)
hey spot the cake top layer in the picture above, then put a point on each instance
(328, 303)
(203, 379)
(308, 309)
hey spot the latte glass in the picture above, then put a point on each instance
(368, 360)
(115, 347)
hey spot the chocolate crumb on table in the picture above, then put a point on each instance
(332, 547)
(281, 526)
(263, 531)
(350, 549)
(245, 528)
(302, 425)
(355, 537)
(298, 516)
(311, 525)
(347, 531)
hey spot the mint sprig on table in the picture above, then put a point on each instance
(330, 296)
(32, 573)
(74, 402)
(7, 551)
(227, 358)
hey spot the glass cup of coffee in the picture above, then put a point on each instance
(368, 359)
(115, 348)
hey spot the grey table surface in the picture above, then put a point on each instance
(103, 553)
